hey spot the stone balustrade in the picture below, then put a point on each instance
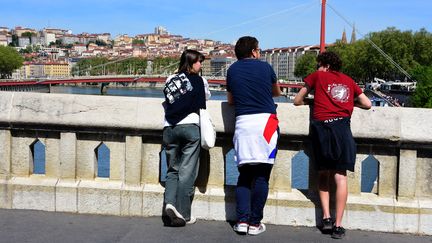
(72, 127)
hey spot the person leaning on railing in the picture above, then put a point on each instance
(334, 148)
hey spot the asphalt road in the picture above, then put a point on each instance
(37, 226)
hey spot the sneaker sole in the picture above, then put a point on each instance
(176, 221)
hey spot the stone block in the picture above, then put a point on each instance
(222, 204)
(406, 216)
(34, 192)
(131, 200)
(150, 163)
(99, 197)
(132, 168)
(67, 196)
(5, 194)
(5, 153)
(295, 209)
(153, 197)
(68, 156)
(360, 210)
(425, 222)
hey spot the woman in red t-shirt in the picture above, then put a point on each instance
(334, 148)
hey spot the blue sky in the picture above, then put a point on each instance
(276, 23)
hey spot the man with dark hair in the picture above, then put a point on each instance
(251, 84)
(334, 147)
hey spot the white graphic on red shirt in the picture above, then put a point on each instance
(339, 92)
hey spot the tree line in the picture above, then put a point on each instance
(411, 50)
(129, 66)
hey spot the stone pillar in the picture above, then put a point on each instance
(68, 155)
(281, 173)
(354, 178)
(387, 175)
(132, 168)
(116, 159)
(407, 173)
(86, 159)
(217, 167)
(52, 158)
(21, 158)
(5, 153)
(150, 163)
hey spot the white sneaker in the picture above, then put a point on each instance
(175, 217)
(192, 220)
(256, 230)
(241, 228)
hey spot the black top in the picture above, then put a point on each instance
(184, 94)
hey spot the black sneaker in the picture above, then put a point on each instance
(327, 224)
(338, 232)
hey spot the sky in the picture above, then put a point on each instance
(275, 23)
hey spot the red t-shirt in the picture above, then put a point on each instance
(334, 94)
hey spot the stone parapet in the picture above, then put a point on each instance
(73, 127)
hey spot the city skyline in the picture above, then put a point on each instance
(277, 23)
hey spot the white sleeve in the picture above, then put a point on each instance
(206, 88)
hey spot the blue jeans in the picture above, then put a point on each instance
(252, 191)
(182, 147)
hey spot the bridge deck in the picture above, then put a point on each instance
(38, 226)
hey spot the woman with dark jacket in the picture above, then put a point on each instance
(185, 93)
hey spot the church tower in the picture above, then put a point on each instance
(353, 35)
(344, 38)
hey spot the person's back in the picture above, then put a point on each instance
(334, 94)
(250, 82)
(330, 131)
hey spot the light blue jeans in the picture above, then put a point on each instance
(182, 147)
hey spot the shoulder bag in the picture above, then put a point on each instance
(207, 129)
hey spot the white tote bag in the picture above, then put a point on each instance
(208, 132)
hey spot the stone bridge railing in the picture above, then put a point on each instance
(72, 129)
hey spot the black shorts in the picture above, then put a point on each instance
(333, 144)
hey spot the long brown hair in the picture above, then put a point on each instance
(187, 59)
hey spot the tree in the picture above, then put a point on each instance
(136, 41)
(305, 65)
(422, 97)
(100, 43)
(14, 42)
(10, 60)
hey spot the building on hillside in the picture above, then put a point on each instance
(3, 39)
(20, 30)
(48, 38)
(56, 69)
(159, 30)
(105, 37)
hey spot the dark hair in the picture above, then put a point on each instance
(331, 59)
(244, 47)
(188, 58)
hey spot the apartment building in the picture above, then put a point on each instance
(283, 60)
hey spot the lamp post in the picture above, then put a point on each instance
(322, 39)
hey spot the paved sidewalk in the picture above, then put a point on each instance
(37, 226)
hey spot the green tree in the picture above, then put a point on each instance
(422, 97)
(136, 41)
(14, 42)
(305, 65)
(10, 60)
(101, 43)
